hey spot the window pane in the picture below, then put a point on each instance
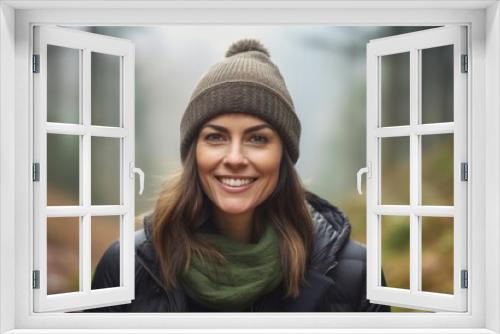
(63, 165)
(437, 169)
(105, 90)
(437, 254)
(63, 84)
(395, 170)
(105, 231)
(395, 246)
(63, 250)
(395, 86)
(402, 309)
(105, 171)
(437, 84)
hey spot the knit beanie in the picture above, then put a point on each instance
(246, 81)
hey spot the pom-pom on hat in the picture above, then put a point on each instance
(244, 45)
(246, 81)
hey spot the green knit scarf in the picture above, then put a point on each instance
(252, 271)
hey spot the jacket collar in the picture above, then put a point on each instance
(331, 231)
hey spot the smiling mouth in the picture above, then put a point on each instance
(235, 182)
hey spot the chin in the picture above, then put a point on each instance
(233, 208)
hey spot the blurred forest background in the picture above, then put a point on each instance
(325, 72)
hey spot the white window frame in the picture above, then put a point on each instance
(483, 18)
(85, 43)
(412, 44)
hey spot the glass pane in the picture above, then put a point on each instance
(395, 89)
(105, 231)
(63, 250)
(395, 170)
(63, 84)
(105, 90)
(395, 247)
(63, 165)
(437, 84)
(437, 254)
(437, 169)
(105, 171)
(402, 309)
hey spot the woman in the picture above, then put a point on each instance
(235, 230)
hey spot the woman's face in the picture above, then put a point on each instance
(238, 158)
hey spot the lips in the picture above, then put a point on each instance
(236, 181)
(235, 184)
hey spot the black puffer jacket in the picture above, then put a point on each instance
(336, 276)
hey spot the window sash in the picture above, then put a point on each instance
(412, 43)
(86, 43)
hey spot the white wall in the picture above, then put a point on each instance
(7, 167)
(492, 122)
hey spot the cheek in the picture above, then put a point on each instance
(204, 163)
(205, 159)
(275, 176)
(270, 167)
(207, 155)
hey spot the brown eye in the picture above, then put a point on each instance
(259, 139)
(213, 137)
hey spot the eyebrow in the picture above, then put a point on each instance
(247, 130)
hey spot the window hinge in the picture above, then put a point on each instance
(36, 279)
(465, 64)
(36, 171)
(464, 171)
(36, 63)
(465, 279)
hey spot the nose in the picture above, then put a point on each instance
(235, 156)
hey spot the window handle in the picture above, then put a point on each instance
(134, 170)
(364, 170)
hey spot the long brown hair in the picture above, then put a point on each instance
(182, 207)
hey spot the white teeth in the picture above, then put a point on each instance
(236, 182)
